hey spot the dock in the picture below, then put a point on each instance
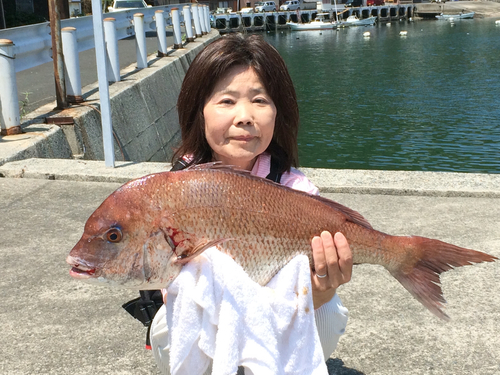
(269, 21)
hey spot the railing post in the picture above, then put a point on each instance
(201, 16)
(196, 18)
(113, 59)
(71, 65)
(187, 23)
(161, 33)
(10, 121)
(203, 12)
(207, 18)
(140, 39)
(176, 23)
(105, 104)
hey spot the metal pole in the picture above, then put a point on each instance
(202, 13)
(201, 16)
(72, 65)
(10, 121)
(186, 10)
(207, 18)
(100, 51)
(112, 50)
(176, 23)
(140, 41)
(57, 54)
(196, 18)
(161, 34)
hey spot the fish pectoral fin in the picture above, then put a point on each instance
(198, 249)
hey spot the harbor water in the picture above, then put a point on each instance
(427, 101)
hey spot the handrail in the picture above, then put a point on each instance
(33, 45)
(26, 47)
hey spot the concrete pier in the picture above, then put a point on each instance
(53, 324)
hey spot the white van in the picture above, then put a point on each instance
(265, 6)
(290, 5)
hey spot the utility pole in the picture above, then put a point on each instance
(57, 53)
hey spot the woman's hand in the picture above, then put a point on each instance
(333, 266)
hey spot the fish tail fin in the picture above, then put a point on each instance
(422, 280)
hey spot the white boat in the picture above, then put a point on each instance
(458, 16)
(353, 20)
(319, 23)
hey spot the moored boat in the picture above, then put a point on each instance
(459, 16)
(319, 23)
(353, 20)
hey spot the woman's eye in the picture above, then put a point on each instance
(261, 100)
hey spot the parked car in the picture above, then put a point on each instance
(290, 5)
(354, 3)
(265, 6)
(246, 10)
(374, 2)
(119, 5)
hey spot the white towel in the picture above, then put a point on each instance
(216, 312)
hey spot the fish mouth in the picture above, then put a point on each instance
(79, 270)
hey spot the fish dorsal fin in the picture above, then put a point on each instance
(352, 215)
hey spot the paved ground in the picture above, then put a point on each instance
(53, 324)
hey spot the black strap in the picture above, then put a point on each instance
(274, 175)
(179, 165)
(145, 307)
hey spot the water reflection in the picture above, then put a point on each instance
(427, 101)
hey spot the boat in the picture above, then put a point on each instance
(353, 20)
(458, 16)
(319, 23)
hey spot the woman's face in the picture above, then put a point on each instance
(239, 118)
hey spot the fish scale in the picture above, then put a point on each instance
(142, 234)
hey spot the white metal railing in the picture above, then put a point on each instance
(25, 47)
(33, 44)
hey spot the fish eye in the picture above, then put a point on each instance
(114, 235)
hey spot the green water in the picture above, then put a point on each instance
(429, 101)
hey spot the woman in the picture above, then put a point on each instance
(238, 106)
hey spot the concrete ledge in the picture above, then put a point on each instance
(446, 184)
(443, 184)
(482, 9)
(36, 140)
(80, 170)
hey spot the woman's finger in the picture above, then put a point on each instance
(331, 256)
(320, 266)
(345, 260)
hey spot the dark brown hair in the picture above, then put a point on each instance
(211, 65)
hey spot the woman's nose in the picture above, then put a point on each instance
(243, 114)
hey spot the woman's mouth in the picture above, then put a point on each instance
(243, 138)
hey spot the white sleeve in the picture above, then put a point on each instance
(331, 321)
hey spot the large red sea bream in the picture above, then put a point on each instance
(143, 233)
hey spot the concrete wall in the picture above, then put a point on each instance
(143, 109)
